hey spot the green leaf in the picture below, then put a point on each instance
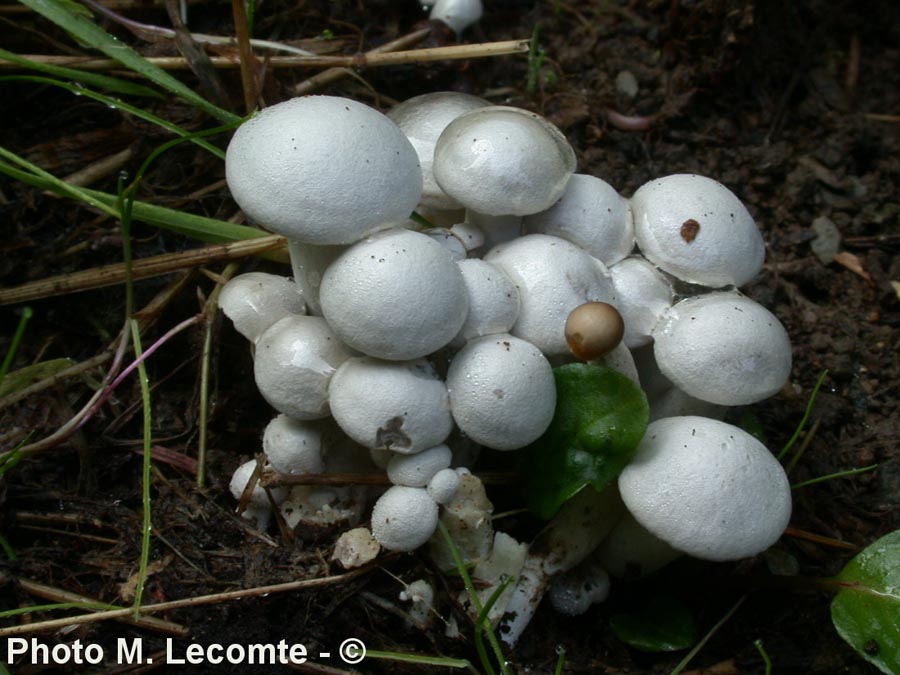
(661, 624)
(84, 29)
(600, 418)
(19, 379)
(113, 84)
(866, 611)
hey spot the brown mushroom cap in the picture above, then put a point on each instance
(593, 330)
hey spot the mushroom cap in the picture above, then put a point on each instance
(423, 119)
(592, 215)
(443, 485)
(448, 241)
(292, 446)
(400, 406)
(395, 295)
(503, 161)
(723, 348)
(255, 300)
(493, 299)
(322, 170)
(295, 359)
(593, 330)
(418, 470)
(502, 391)
(698, 230)
(258, 498)
(457, 14)
(642, 295)
(553, 276)
(707, 488)
(404, 518)
(495, 229)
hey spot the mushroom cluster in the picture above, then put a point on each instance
(402, 346)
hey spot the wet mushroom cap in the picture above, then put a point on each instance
(255, 300)
(503, 161)
(593, 330)
(404, 518)
(322, 170)
(707, 488)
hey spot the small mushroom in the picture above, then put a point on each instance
(255, 300)
(395, 295)
(417, 470)
(404, 518)
(696, 229)
(592, 215)
(500, 160)
(723, 348)
(593, 330)
(396, 405)
(643, 294)
(493, 300)
(457, 14)
(707, 488)
(502, 391)
(293, 446)
(295, 359)
(443, 485)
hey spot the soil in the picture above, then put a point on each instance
(792, 105)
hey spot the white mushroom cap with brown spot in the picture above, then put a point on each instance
(707, 488)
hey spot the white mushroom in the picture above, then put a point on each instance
(323, 170)
(493, 300)
(554, 276)
(592, 215)
(448, 241)
(697, 229)
(502, 391)
(422, 119)
(707, 488)
(642, 295)
(503, 161)
(457, 14)
(471, 236)
(675, 403)
(404, 518)
(417, 470)
(400, 406)
(258, 497)
(443, 485)
(308, 263)
(255, 300)
(723, 348)
(295, 359)
(395, 295)
(292, 446)
(494, 229)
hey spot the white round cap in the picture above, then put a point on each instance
(457, 14)
(554, 276)
(395, 295)
(258, 498)
(696, 229)
(502, 391)
(493, 299)
(642, 295)
(292, 446)
(400, 406)
(443, 485)
(422, 119)
(723, 348)
(322, 170)
(404, 518)
(707, 488)
(295, 358)
(418, 470)
(592, 215)
(503, 161)
(255, 300)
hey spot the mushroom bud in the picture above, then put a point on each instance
(593, 330)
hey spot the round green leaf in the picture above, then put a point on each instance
(662, 624)
(600, 418)
(866, 611)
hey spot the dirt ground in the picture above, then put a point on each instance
(793, 105)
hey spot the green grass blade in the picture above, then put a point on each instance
(87, 31)
(805, 418)
(832, 476)
(145, 481)
(105, 82)
(439, 661)
(121, 105)
(27, 313)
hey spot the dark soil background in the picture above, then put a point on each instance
(793, 105)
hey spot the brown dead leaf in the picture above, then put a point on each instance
(852, 263)
(128, 589)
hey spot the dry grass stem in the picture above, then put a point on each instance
(215, 598)
(97, 170)
(453, 52)
(110, 275)
(53, 380)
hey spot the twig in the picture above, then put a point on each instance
(58, 595)
(819, 539)
(248, 79)
(110, 275)
(451, 53)
(197, 601)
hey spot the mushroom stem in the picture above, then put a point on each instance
(579, 527)
(309, 263)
